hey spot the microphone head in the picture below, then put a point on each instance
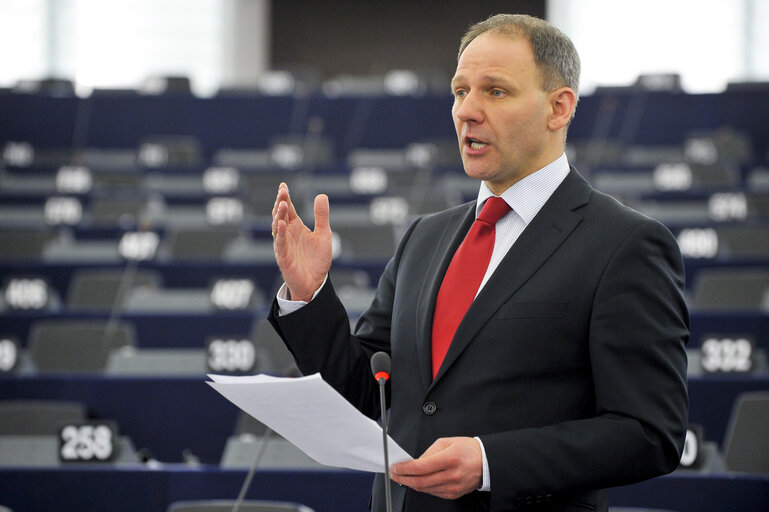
(380, 365)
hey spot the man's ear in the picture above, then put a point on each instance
(563, 101)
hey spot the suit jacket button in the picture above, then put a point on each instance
(429, 408)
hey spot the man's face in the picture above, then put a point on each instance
(501, 112)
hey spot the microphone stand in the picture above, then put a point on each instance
(388, 493)
(380, 367)
(252, 469)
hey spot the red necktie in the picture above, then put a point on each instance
(464, 276)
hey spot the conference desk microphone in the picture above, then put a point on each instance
(266, 436)
(380, 367)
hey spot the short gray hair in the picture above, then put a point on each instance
(554, 53)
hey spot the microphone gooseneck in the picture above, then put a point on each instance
(252, 469)
(380, 368)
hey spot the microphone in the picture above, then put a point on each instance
(380, 367)
(250, 475)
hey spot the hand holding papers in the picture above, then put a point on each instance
(313, 416)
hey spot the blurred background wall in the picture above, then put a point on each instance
(230, 43)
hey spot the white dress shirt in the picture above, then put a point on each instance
(526, 198)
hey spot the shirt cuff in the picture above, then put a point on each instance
(486, 483)
(287, 306)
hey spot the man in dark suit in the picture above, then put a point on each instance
(565, 372)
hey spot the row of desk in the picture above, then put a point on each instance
(152, 490)
(193, 329)
(168, 415)
(630, 117)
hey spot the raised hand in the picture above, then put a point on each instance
(304, 256)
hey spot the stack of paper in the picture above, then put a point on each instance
(313, 416)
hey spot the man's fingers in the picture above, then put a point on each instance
(424, 465)
(426, 483)
(438, 446)
(446, 483)
(291, 211)
(282, 195)
(429, 462)
(321, 209)
(281, 243)
(281, 214)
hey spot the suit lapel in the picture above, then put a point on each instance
(456, 228)
(546, 232)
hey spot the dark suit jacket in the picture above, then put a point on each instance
(569, 365)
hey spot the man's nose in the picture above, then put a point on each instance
(470, 109)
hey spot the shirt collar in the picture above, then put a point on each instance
(527, 196)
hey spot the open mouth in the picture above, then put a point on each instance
(475, 143)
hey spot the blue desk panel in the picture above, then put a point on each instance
(683, 492)
(164, 415)
(177, 330)
(191, 330)
(145, 490)
(169, 415)
(115, 490)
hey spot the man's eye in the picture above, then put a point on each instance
(460, 94)
(497, 93)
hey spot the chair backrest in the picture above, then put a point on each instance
(424, 203)
(77, 346)
(276, 358)
(731, 289)
(43, 452)
(366, 242)
(101, 289)
(22, 244)
(247, 424)
(29, 451)
(37, 417)
(170, 151)
(746, 444)
(201, 244)
(246, 506)
(743, 241)
(114, 211)
(349, 277)
(277, 453)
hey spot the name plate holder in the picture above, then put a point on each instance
(88, 442)
(10, 354)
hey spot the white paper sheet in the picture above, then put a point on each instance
(314, 417)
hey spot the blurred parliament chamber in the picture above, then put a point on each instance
(136, 256)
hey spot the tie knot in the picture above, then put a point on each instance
(493, 209)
